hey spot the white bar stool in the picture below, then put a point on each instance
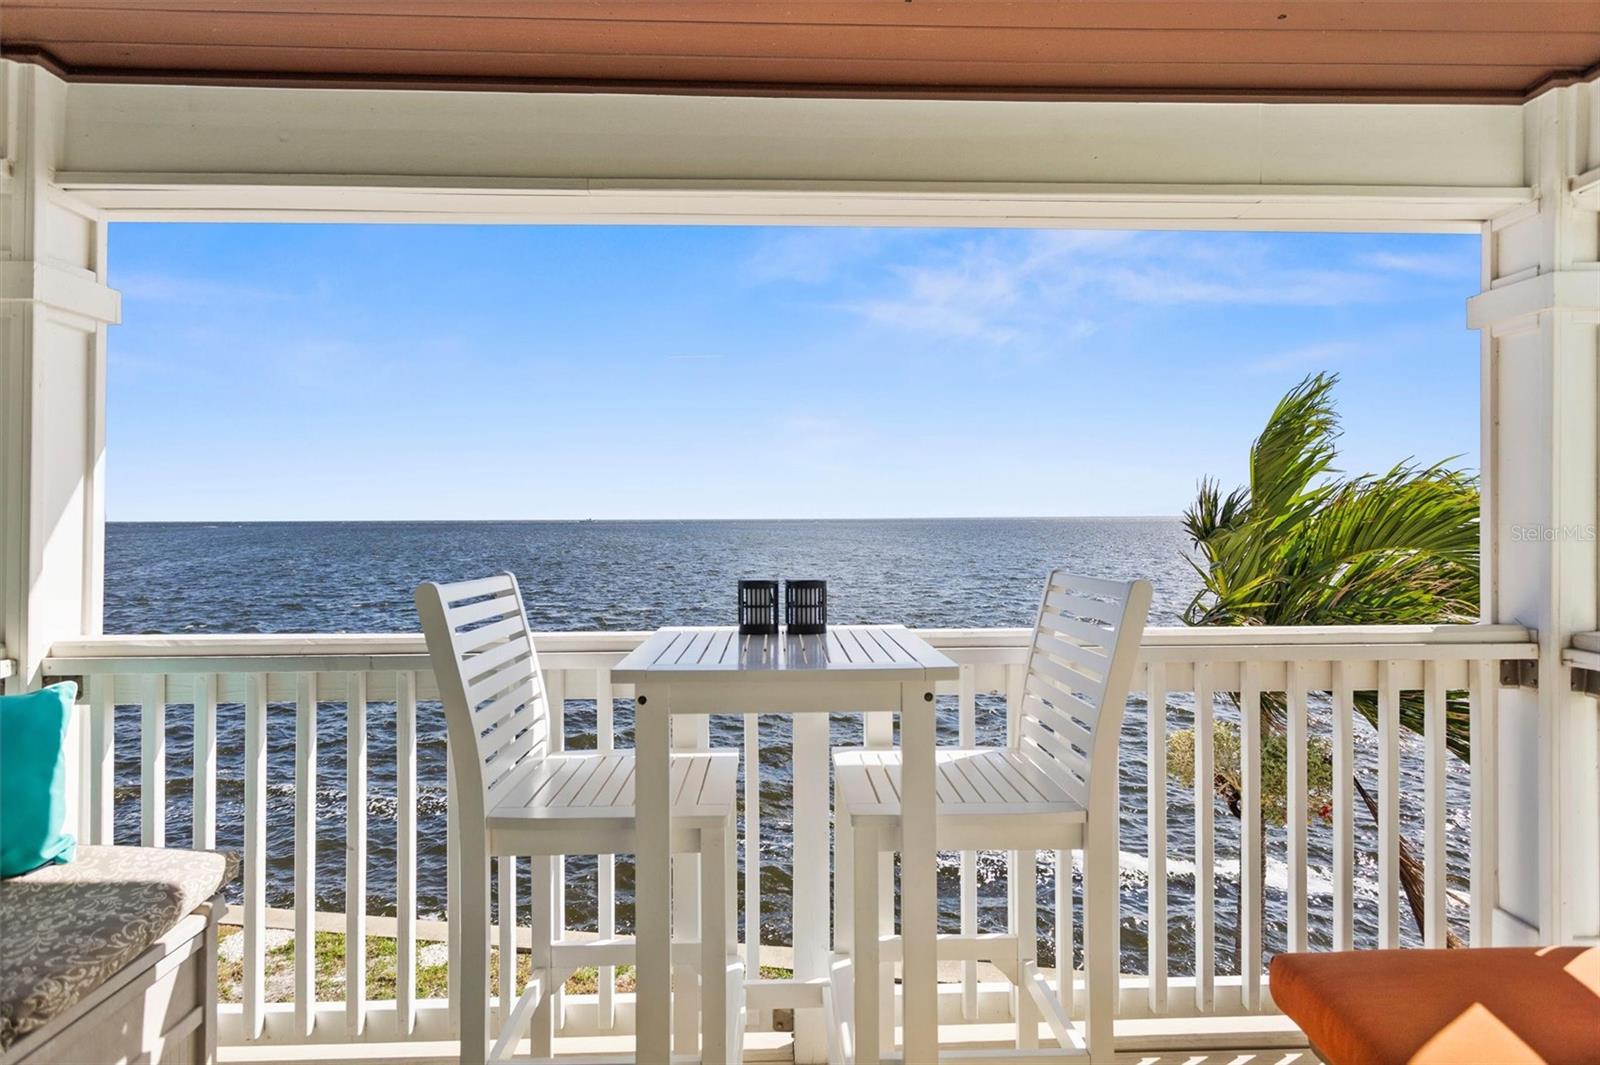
(1055, 789)
(519, 799)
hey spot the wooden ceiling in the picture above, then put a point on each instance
(1467, 50)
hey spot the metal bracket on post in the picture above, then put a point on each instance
(1519, 673)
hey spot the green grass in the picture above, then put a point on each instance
(382, 957)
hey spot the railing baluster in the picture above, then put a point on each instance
(1023, 922)
(405, 846)
(102, 760)
(541, 897)
(1433, 857)
(452, 888)
(153, 763)
(606, 739)
(1018, 880)
(355, 855)
(556, 690)
(506, 904)
(255, 854)
(205, 761)
(1204, 870)
(1066, 964)
(1251, 840)
(1016, 677)
(1485, 846)
(1156, 831)
(1344, 798)
(967, 705)
(752, 847)
(1295, 803)
(967, 714)
(555, 694)
(305, 854)
(1388, 806)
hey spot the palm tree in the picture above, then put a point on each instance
(1302, 545)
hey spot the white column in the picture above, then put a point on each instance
(1538, 314)
(54, 308)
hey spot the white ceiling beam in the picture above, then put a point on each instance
(165, 151)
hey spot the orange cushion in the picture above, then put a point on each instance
(1497, 1004)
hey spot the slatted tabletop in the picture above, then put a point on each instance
(890, 652)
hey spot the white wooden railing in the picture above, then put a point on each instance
(1188, 678)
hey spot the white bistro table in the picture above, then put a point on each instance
(869, 669)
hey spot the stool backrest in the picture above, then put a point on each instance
(1080, 665)
(493, 693)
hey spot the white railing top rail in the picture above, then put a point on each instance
(331, 652)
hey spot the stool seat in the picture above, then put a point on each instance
(970, 781)
(1442, 1007)
(599, 787)
(988, 798)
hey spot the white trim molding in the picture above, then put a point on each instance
(158, 152)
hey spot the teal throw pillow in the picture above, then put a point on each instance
(33, 778)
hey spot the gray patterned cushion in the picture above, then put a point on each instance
(67, 929)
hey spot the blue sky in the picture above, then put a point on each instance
(380, 372)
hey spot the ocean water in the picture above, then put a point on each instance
(358, 577)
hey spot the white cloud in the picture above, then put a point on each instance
(1313, 356)
(1426, 264)
(174, 288)
(1009, 287)
(824, 433)
(1221, 284)
(812, 256)
(976, 295)
(124, 361)
(1035, 289)
(1395, 342)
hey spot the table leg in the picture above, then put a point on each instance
(919, 874)
(714, 953)
(810, 862)
(653, 890)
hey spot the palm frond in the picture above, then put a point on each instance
(1296, 447)
(1212, 514)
